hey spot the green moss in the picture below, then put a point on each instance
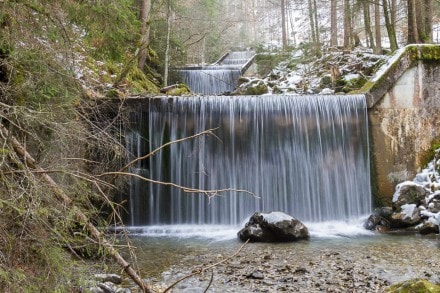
(429, 52)
(414, 286)
(413, 52)
(179, 90)
(140, 83)
(259, 89)
(428, 155)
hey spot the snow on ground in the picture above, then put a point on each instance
(337, 71)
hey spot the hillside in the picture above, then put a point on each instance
(57, 59)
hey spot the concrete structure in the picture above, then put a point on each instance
(403, 104)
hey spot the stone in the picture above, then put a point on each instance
(380, 217)
(428, 228)
(414, 286)
(407, 217)
(409, 193)
(273, 227)
(115, 279)
(107, 287)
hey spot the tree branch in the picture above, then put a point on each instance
(199, 271)
(209, 131)
(79, 215)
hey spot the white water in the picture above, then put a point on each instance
(212, 80)
(218, 78)
(304, 155)
(331, 229)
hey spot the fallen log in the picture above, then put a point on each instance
(20, 150)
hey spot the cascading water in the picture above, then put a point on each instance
(303, 155)
(218, 78)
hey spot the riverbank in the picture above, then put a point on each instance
(337, 264)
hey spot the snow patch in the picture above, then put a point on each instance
(275, 217)
(408, 210)
(399, 186)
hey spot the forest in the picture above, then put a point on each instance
(63, 61)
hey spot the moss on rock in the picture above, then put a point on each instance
(414, 286)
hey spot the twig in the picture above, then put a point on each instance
(209, 193)
(210, 282)
(209, 131)
(206, 268)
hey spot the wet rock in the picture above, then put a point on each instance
(409, 216)
(379, 219)
(409, 192)
(257, 275)
(273, 227)
(428, 228)
(252, 87)
(115, 279)
(414, 286)
(107, 287)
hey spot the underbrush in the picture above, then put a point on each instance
(54, 60)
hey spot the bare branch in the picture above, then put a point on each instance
(209, 193)
(209, 131)
(200, 271)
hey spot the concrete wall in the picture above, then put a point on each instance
(404, 115)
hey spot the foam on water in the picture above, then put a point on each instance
(329, 229)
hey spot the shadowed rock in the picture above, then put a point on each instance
(273, 227)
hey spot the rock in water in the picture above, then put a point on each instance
(273, 227)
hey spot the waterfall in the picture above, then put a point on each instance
(221, 77)
(304, 155)
(212, 80)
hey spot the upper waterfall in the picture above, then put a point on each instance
(220, 77)
(304, 155)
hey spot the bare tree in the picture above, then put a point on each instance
(334, 23)
(367, 23)
(144, 13)
(390, 26)
(167, 49)
(283, 24)
(377, 28)
(347, 25)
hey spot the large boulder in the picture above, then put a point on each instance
(407, 217)
(273, 227)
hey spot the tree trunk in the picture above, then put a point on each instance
(390, 27)
(367, 23)
(167, 49)
(377, 28)
(318, 38)
(413, 36)
(283, 24)
(428, 19)
(334, 23)
(420, 20)
(144, 13)
(312, 22)
(347, 25)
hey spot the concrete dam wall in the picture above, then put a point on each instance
(403, 106)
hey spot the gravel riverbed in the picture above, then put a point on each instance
(344, 264)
